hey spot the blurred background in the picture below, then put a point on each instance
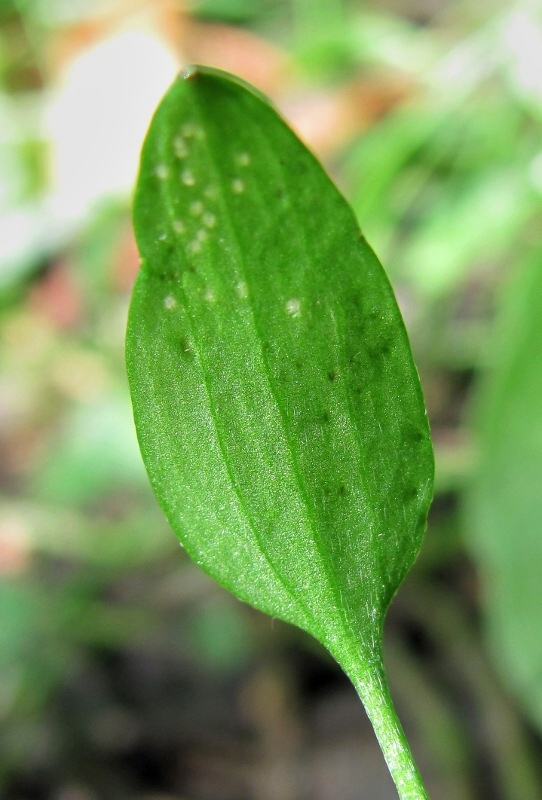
(127, 674)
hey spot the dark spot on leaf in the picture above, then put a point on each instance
(410, 494)
(331, 376)
(186, 348)
(414, 435)
(326, 417)
(165, 276)
(298, 365)
(380, 351)
(335, 492)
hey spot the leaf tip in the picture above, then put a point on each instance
(189, 72)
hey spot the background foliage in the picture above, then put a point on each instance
(124, 671)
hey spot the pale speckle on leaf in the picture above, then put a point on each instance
(293, 307)
(179, 147)
(187, 177)
(242, 290)
(187, 130)
(191, 130)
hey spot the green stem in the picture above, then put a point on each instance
(372, 687)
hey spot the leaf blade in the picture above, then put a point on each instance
(301, 408)
(503, 504)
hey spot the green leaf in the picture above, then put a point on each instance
(504, 501)
(278, 409)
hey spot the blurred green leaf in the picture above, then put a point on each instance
(452, 237)
(230, 10)
(375, 161)
(18, 609)
(504, 501)
(219, 636)
(95, 454)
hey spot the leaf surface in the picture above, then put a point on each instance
(278, 409)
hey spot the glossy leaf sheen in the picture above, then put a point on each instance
(278, 409)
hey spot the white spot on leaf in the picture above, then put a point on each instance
(293, 307)
(162, 172)
(195, 244)
(191, 130)
(187, 129)
(237, 185)
(242, 290)
(178, 226)
(209, 219)
(179, 147)
(169, 302)
(196, 208)
(243, 159)
(187, 177)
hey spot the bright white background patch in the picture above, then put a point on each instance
(99, 116)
